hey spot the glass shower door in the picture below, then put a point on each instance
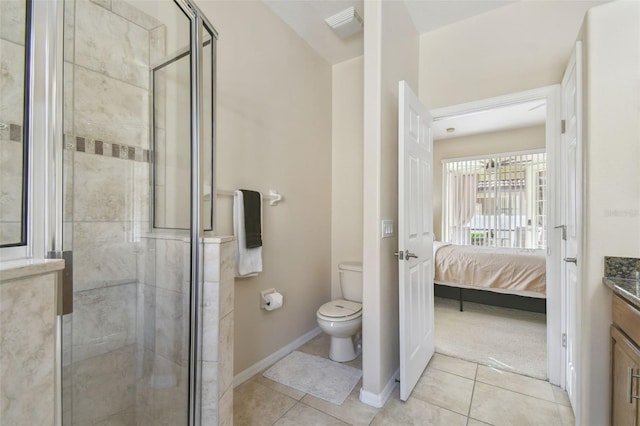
(126, 342)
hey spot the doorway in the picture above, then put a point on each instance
(546, 98)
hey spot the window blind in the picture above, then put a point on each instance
(497, 200)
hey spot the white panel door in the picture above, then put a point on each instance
(415, 238)
(571, 152)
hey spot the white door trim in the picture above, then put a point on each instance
(552, 130)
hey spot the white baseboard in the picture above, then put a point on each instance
(379, 399)
(245, 375)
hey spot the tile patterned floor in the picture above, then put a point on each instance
(451, 392)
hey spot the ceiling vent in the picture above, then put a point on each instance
(345, 23)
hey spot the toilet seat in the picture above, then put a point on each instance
(340, 310)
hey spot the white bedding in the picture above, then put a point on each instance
(503, 270)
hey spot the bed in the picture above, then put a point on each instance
(520, 272)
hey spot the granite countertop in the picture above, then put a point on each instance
(628, 289)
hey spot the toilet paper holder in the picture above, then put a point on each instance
(265, 300)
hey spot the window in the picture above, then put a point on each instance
(497, 201)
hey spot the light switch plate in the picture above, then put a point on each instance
(387, 228)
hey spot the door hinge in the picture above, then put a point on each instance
(564, 340)
(65, 289)
(563, 126)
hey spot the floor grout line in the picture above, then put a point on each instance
(381, 411)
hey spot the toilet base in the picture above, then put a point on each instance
(341, 349)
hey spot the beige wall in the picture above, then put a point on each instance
(468, 146)
(510, 49)
(346, 170)
(274, 132)
(391, 49)
(612, 194)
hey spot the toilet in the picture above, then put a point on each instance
(342, 318)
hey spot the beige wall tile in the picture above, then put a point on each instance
(172, 326)
(103, 385)
(110, 44)
(210, 404)
(225, 352)
(12, 21)
(133, 14)
(211, 320)
(11, 178)
(103, 188)
(104, 319)
(110, 110)
(11, 82)
(104, 254)
(225, 408)
(170, 265)
(27, 308)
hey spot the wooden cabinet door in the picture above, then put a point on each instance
(624, 356)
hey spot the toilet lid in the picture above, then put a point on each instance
(340, 308)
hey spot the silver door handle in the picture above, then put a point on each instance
(571, 260)
(405, 255)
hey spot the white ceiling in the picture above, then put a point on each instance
(306, 17)
(524, 114)
(433, 14)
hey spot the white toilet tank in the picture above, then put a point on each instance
(351, 280)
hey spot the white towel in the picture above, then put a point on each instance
(248, 261)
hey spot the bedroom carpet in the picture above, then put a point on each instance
(507, 339)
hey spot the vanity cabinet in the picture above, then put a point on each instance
(625, 364)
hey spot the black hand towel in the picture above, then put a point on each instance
(252, 218)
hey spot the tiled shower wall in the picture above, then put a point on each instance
(128, 318)
(127, 363)
(163, 330)
(11, 110)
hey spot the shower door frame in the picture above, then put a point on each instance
(46, 114)
(198, 22)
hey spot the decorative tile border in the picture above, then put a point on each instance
(106, 149)
(621, 267)
(13, 132)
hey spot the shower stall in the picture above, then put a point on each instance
(130, 95)
(138, 130)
